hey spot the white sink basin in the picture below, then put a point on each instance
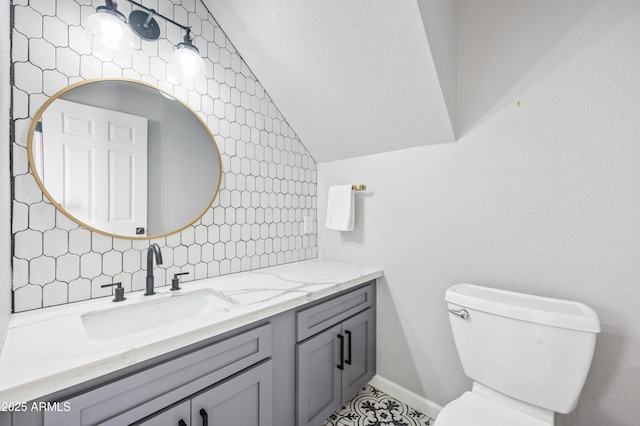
(160, 310)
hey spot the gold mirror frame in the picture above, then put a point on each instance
(32, 165)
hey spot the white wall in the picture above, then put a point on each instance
(440, 20)
(541, 198)
(5, 178)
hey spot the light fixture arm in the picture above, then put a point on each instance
(187, 40)
(153, 13)
(187, 37)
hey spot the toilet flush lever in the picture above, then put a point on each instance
(462, 313)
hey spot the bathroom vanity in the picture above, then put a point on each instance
(290, 344)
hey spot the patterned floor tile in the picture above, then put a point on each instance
(371, 407)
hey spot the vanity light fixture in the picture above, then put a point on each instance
(186, 58)
(111, 38)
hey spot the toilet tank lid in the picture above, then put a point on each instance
(526, 307)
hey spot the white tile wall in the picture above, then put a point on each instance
(269, 181)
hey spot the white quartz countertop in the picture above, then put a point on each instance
(47, 350)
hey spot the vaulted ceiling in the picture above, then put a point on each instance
(352, 78)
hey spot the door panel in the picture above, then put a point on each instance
(359, 334)
(246, 399)
(77, 193)
(318, 377)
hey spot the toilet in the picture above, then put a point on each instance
(528, 356)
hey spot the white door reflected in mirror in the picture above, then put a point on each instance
(96, 165)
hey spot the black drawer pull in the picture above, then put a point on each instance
(341, 365)
(348, 360)
(182, 423)
(205, 417)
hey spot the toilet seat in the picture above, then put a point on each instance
(475, 410)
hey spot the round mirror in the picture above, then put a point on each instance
(124, 158)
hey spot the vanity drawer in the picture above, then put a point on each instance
(326, 314)
(129, 399)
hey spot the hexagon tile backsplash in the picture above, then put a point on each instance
(269, 179)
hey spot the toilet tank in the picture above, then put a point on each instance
(534, 349)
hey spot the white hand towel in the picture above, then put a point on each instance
(340, 208)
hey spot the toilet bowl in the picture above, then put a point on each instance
(479, 409)
(528, 356)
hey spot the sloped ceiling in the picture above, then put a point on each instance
(352, 78)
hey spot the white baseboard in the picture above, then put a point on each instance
(410, 398)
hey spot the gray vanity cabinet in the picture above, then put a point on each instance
(334, 364)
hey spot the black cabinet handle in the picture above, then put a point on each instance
(205, 417)
(348, 360)
(341, 365)
(182, 423)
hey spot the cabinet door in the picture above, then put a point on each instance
(246, 399)
(178, 415)
(359, 334)
(318, 377)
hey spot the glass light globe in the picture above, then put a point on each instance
(110, 37)
(187, 61)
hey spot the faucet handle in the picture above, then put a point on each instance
(175, 282)
(119, 292)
